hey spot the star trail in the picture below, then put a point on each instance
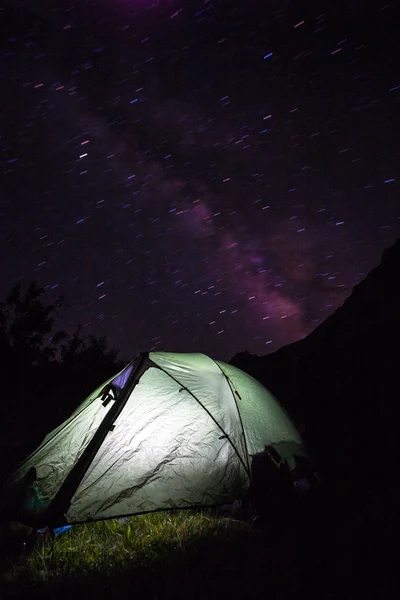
(197, 176)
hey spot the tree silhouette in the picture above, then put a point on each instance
(45, 373)
(80, 351)
(27, 323)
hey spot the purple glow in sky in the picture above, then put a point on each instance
(183, 191)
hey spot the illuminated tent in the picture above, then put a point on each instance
(169, 431)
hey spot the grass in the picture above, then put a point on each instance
(204, 556)
(156, 555)
(106, 546)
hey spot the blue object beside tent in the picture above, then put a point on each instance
(59, 530)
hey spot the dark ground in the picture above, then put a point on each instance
(334, 547)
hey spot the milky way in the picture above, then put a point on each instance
(197, 176)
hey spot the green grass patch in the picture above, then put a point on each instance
(156, 555)
(203, 556)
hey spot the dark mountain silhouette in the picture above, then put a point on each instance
(342, 381)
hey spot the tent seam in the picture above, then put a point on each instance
(208, 412)
(240, 416)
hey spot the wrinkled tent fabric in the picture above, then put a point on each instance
(184, 438)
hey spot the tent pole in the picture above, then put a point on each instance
(58, 507)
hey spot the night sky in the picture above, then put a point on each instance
(197, 175)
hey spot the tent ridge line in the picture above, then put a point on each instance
(56, 509)
(239, 413)
(210, 415)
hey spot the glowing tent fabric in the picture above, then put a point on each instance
(169, 431)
